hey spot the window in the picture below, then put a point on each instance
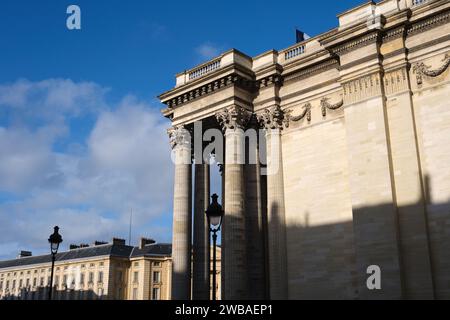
(101, 264)
(21, 273)
(135, 276)
(155, 294)
(64, 282)
(119, 276)
(1, 285)
(136, 264)
(28, 272)
(100, 276)
(20, 283)
(82, 279)
(92, 265)
(82, 266)
(42, 270)
(7, 285)
(57, 281)
(156, 263)
(35, 271)
(14, 284)
(34, 282)
(156, 277)
(66, 267)
(27, 282)
(41, 282)
(134, 293)
(48, 280)
(91, 277)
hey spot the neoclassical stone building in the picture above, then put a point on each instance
(359, 120)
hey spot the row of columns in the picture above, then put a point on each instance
(244, 248)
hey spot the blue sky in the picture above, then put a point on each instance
(81, 137)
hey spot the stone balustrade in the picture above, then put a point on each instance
(196, 73)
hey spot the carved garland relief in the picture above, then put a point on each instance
(420, 69)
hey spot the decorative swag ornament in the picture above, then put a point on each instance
(325, 105)
(421, 69)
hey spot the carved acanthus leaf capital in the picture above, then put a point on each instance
(179, 136)
(274, 118)
(233, 118)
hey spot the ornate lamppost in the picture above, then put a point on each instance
(55, 239)
(215, 216)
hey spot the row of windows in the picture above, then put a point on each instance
(56, 282)
(15, 273)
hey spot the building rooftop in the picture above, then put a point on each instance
(110, 249)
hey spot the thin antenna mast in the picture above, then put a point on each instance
(129, 232)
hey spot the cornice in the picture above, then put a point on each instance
(199, 82)
(428, 23)
(361, 41)
(208, 88)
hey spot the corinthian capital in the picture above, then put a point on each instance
(179, 136)
(274, 118)
(233, 118)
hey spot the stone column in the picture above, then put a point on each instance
(182, 214)
(233, 121)
(201, 250)
(274, 121)
(253, 214)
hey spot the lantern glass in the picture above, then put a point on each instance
(215, 220)
(54, 247)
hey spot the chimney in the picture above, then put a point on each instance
(83, 245)
(99, 243)
(118, 242)
(145, 241)
(23, 254)
(73, 247)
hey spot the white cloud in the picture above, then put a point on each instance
(124, 163)
(207, 51)
(51, 99)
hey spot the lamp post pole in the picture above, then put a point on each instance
(55, 239)
(50, 289)
(215, 214)
(214, 236)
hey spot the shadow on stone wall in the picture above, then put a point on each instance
(410, 244)
(42, 294)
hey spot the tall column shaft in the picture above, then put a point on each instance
(234, 237)
(182, 219)
(254, 225)
(201, 250)
(276, 217)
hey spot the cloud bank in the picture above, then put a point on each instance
(71, 158)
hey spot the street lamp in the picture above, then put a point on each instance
(55, 239)
(215, 216)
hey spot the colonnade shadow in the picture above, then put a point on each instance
(42, 294)
(410, 243)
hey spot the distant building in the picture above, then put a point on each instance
(113, 271)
